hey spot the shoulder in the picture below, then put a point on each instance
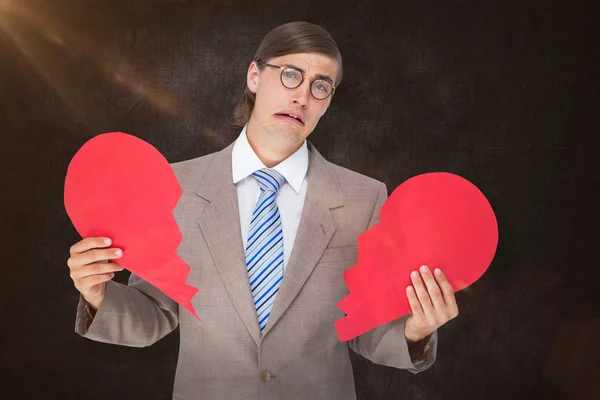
(360, 195)
(348, 180)
(190, 172)
(193, 163)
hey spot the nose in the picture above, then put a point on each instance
(301, 94)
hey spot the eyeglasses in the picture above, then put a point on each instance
(291, 78)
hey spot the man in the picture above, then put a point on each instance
(269, 226)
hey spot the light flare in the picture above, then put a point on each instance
(25, 27)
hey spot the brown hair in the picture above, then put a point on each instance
(290, 38)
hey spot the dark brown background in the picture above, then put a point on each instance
(503, 93)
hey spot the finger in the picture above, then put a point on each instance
(447, 291)
(433, 289)
(422, 293)
(94, 269)
(90, 243)
(93, 256)
(86, 284)
(413, 301)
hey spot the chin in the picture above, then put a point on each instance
(290, 138)
(285, 133)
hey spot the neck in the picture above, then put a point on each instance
(270, 149)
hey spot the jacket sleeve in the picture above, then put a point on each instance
(136, 315)
(387, 344)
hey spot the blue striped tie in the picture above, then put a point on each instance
(264, 250)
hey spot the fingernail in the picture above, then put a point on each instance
(424, 268)
(107, 241)
(414, 274)
(438, 271)
(409, 289)
(118, 252)
(112, 274)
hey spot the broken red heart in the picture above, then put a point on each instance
(121, 187)
(437, 219)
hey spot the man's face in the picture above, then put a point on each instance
(273, 98)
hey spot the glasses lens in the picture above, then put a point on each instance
(321, 89)
(291, 78)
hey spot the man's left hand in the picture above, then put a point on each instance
(432, 303)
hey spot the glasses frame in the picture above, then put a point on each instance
(283, 68)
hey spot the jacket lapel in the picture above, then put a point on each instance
(220, 224)
(315, 231)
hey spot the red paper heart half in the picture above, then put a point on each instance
(121, 187)
(437, 219)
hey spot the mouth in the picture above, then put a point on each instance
(295, 119)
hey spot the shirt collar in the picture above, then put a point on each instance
(245, 162)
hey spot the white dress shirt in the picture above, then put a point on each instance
(290, 196)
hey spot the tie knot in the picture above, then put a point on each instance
(269, 179)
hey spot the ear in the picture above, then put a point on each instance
(253, 77)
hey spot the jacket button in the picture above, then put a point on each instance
(265, 376)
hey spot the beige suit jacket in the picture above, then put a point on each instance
(224, 356)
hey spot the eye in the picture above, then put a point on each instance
(290, 73)
(321, 86)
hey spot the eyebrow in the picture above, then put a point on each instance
(318, 76)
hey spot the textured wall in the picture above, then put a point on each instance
(503, 93)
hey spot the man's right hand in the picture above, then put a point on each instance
(91, 269)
